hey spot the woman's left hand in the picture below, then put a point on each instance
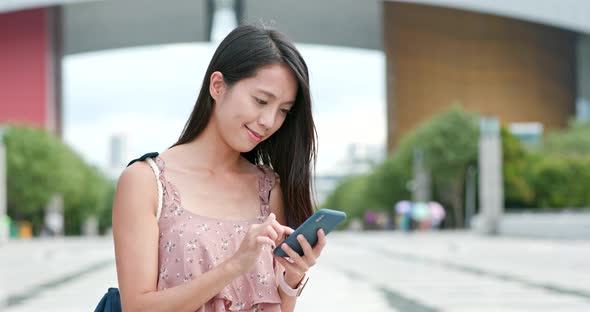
(296, 266)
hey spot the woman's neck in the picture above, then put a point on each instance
(209, 151)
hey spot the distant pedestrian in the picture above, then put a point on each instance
(403, 210)
(437, 214)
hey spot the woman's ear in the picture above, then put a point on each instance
(217, 86)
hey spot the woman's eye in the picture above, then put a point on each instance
(263, 102)
(286, 111)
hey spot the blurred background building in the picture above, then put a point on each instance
(119, 155)
(524, 61)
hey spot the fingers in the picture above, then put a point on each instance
(263, 228)
(308, 253)
(317, 249)
(273, 229)
(270, 229)
(262, 240)
(278, 229)
(270, 232)
(287, 230)
(295, 257)
(270, 219)
(286, 264)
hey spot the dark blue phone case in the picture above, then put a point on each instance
(326, 219)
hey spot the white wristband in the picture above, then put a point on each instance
(290, 291)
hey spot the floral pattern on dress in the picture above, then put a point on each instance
(192, 245)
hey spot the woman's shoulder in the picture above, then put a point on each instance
(138, 170)
(137, 178)
(134, 183)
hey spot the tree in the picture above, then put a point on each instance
(39, 166)
(349, 196)
(573, 141)
(450, 145)
(34, 169)
(517, 163)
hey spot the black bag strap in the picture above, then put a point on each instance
(142, 158)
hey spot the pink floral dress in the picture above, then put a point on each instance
(190, 245)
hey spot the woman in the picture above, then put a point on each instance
(199, 236)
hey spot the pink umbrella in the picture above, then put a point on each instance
(437, 211)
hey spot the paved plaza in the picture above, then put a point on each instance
(368, 271)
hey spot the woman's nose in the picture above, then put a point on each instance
(267, 118)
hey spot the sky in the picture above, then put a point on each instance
(147, 93)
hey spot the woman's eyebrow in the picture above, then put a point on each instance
(268, 93)
(272, 96)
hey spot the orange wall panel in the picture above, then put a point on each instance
(516, 70)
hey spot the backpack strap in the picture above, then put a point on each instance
(144, 157)
(149, 157)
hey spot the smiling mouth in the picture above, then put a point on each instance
(254, 135)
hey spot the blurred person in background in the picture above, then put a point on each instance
(200, 236)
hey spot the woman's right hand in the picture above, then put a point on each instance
(259, 236)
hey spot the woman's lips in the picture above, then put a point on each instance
(255, 136)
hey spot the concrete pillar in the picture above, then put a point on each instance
(90, 226)
(583, 70)
(491, 188)
(54, 217)
(421, 184)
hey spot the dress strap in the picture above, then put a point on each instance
(157, 171)
(149, 157)
(266, 183)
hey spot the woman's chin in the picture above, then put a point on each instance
(244, 148)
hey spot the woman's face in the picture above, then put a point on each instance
(253, 108)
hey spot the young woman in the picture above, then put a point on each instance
(199, 234)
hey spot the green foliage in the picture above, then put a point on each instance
(517, 166)
(555, 176)
(387, 184)
(89, 198)
(449, 143)
(106, 213)
(34, 169)
(350, 197)
(573, 141)
(39, 165)
(561, 181)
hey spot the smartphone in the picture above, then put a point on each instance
(326, 219)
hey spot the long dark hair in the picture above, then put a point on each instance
(291, 150)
